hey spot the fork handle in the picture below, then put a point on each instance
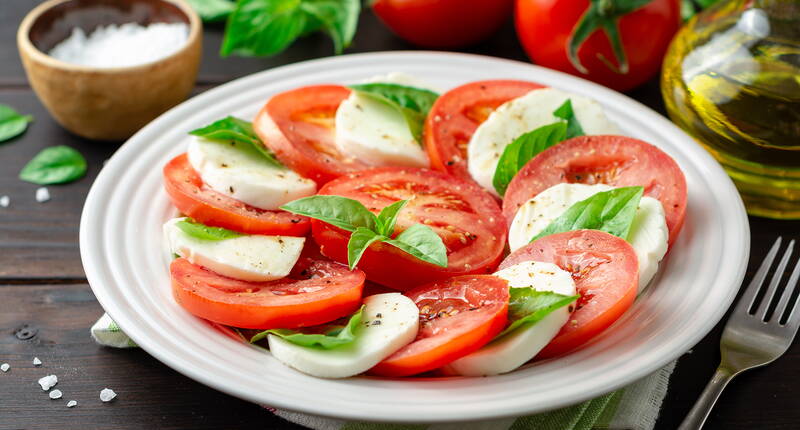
(697, 416)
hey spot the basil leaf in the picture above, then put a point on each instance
(527, 306)
(523, 149)
(334, 337)
(232, 129)
(610, 211)
(388, 217)
(421, 242)
(204, 232)
(347, 214)
(360, 240)
(12, 124)
(212, 10)
(413, 103)
(565, 112)
(54, 165)
(338, 18)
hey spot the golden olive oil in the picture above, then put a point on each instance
(731, 79)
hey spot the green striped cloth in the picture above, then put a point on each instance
(634, 407)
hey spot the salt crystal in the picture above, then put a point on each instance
(47, 382)
(55, 394)
(72, 404)
(107, 394)
(36, 361)
(4, 367)
(122, 46)
(42, 194)
(5, 201)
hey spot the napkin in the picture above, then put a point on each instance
(634, 407)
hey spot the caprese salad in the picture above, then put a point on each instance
(387, 229)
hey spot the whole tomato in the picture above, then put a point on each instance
(617, 43)
(443, 23)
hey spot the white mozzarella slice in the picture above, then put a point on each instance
(524, 114)
(648, 235)
(240, 171)
(249, 258)
(521, 345)
(376, 133)
(389, 323)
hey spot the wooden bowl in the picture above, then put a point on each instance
(107, 103)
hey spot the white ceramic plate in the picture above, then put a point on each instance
(122, 253)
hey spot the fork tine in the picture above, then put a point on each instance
(763, 307)
(783, 304)
(752, 289)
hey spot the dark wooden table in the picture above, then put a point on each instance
(46, 306)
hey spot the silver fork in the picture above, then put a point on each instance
(750, 339)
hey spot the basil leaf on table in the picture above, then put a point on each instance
(523, 149)
(12, 124)
(566, 113)
(334, 337)
(413, 103)
(54, 165)
(610, 211)
(359, 241)
(336, 17)
(204, 232)
(232, 129)
(421, 242)
(347, 214)
(212, 10)
(527, 306)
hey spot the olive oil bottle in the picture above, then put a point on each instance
(731, 79)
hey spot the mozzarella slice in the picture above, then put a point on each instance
(521, 115)
(648, 234)
(521, 345)
(240, 171)
(389, 323)
(376, 133)
(249, 258)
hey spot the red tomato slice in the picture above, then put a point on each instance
(457, 316)
(298, 126)
(466, 217)
(606, 274)
(457, 113)
(618, 161)
(316, 292)
(192, 198)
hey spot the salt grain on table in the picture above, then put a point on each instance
(48, 382)
(55, 394)
(4, 367)
(5, 201)
(107, 394)
(72, 404)
(122, 46)
(36, 361)
(42, 194)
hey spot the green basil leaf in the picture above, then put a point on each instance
(360, 240)
(388, 217)
(212, 10)
(347, 214)
(413, 103)
(523, 149)
(232, 129)
(12, 124)
(610, 211)
(421, 242)
(527, 306)
(338, 18)
(204, 232)
(334, 336)
(565, 112)
(263, 27)
(54, 165)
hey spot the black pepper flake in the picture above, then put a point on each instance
(379, 315)
(376, 322)
(230, 189)
(295, 221)
(450, 163)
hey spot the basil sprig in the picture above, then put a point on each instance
(54, 165)
(413, 103)
(12, 124)
(232, 129)
(204, 232)
(610, 211)
(267, 27)
(212, 10)
(527, 306)
(367, 228)
(334, 336)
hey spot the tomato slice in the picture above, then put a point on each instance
(457, 113)
(299, 127)
(606, 274)
(193, 199)
(618, 161)
(457, 316)
(317, 291)
(466, 217)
